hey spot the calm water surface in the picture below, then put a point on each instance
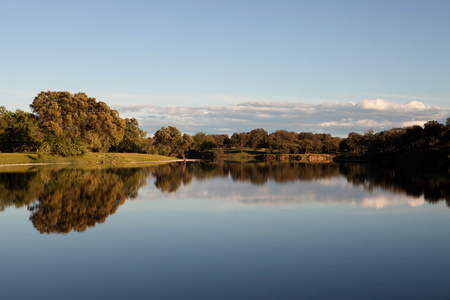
(229, 231)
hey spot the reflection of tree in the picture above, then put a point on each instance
(62, 200)
(169, 177)
(74, 199)
(432, 184)
(18, 189)
(261, 173)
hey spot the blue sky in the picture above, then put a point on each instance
(228, 66)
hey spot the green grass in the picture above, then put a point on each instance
(88, 158)
(249, 155)
(238, 156)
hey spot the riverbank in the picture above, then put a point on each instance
(33, 158)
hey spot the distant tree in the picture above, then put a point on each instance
(446, 134)
(183, 146)
(368, 143)
(432, 133)
(220, 140)
(308, 142)
(390, 140)
(413, 138)
(239, 140)
(170, 139)
(352, 143)
(329, 144)
(202, 142)
(258, 139)
(284, 141)
(134, 138)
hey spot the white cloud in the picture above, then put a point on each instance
(377, 104)
(335, 118)
(383, 105)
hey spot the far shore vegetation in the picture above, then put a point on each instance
(66, 128)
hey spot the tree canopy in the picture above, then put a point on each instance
(61, 114)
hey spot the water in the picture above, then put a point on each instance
(230, 231)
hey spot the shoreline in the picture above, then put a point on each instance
(98, 163)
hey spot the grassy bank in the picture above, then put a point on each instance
(248, 155)
(89, 158)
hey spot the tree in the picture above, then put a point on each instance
(202, 142)
(413, 137)
(352, 143)
(258, 139)
(239, 140)
(390, 140)
(284, 141)
(170, 139)
(134, 138)
(61, 114)
(446, 134)
(220, 140)
(307, 142)
(432, 132)
(19, 131)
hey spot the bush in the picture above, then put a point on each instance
(65, 146)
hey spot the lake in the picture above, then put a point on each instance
(225, 231)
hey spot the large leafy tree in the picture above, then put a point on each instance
(61, 114)
(170, 140)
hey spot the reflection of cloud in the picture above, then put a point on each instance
(382, 201)
(324, 192)
(334, 118)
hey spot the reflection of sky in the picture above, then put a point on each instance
(231, 193)
(276, 241)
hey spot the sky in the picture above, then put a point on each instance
(232, 66)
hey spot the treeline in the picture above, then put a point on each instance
(168, 141)
(70, 125)
(433, 138)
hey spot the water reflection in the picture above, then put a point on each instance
(74, 199)
(410, 180)
(65, 200)
(169, 177)
(432, 184)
